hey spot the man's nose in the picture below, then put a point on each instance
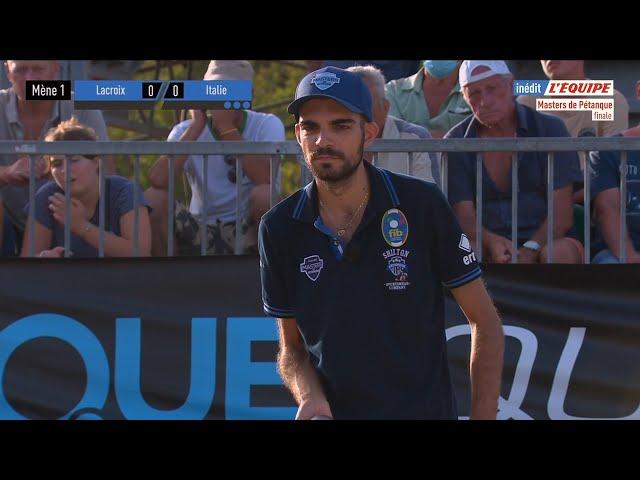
(324, 138)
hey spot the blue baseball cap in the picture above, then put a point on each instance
(337, 84)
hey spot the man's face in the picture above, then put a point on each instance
(379, 104)
(332, 138)
(19, 71)
(563, 69)
(490, 99)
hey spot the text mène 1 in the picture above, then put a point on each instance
(48, 90)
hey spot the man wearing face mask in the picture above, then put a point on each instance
(431, 98)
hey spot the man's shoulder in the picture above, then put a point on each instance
(263, 117)
(5, 94)
(551, 125)
(460, 128)
(118, 183)
(399, 84)
(411, 189)
(47, 189)
(411, 128)
(281, 214)
(619, 99)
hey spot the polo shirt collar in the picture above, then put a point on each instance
(383, 196)
(522, 124)
(414, 82)
(12, 110)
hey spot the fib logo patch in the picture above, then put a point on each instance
(395, 228)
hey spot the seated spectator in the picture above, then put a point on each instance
(391, 69)
(580, 123)
(220, 210)
(605, 194)
(85, 202)
(487, 86)
(30, 120)
(431, 98)
(424, 165)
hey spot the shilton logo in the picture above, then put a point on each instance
(312, 266)
(325, 80)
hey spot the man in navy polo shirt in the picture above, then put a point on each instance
(487, 86)
(353, 266)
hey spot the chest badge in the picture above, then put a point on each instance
(395, 228)
(312, 266)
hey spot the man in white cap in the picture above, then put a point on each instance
(487, 86)
(220, 209)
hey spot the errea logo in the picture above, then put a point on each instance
(465, 246)
(325, 80)
(464, 243)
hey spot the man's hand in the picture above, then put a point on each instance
(18, 172)
(199, 118)
(309, 409)
(57, 252)
(526, 255)
(78, 212)
(499, 249)
(634, 257)
(224, 120)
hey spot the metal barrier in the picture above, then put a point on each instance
(276, 149)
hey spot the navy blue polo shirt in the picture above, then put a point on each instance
(606, 175)
(532, 175)
(371, 312)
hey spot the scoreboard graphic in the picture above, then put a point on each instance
(140, 94)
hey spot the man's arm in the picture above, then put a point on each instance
(607, 206)
(487, 348)
(562, 222)
(17, 173)
(256, 167)
(495, 248)
(298, 374)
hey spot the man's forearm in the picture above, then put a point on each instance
(159, 173)
(609, 219)
(3, 176)
(256, 167)
(487, 350)
(299, 375)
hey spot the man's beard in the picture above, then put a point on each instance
(335, 174)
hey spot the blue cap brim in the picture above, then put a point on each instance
(295, 105)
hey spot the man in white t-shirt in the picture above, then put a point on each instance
(220, 207)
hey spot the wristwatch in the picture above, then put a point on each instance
(532, 245)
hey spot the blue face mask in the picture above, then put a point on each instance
(440, 68)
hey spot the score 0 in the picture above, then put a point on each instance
(175, 90)
(151, 89)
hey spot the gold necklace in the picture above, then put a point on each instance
(342, 230)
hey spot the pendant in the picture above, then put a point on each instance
(341, 232)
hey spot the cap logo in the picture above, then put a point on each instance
(325, 80)
(480, 69)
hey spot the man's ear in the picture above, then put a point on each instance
(297, 130)
(371, 131)
(638, 89)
